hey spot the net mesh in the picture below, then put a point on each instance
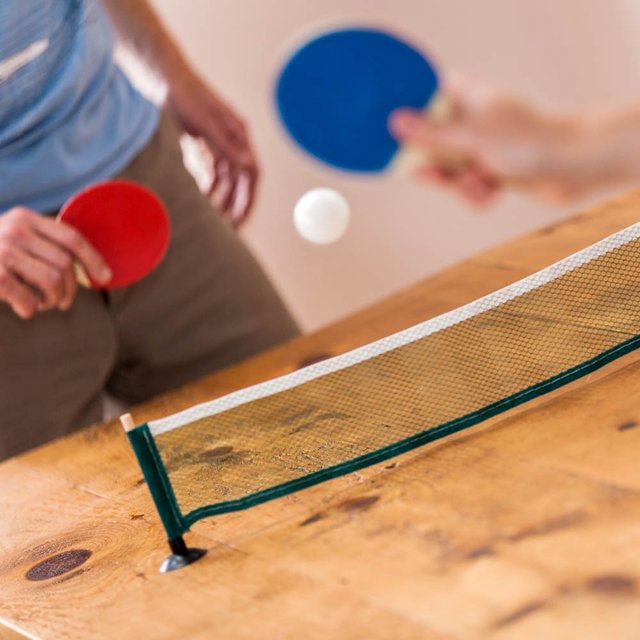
(453, 370)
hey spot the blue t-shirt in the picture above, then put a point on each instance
(68, 115)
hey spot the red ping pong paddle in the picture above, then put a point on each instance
(126, 223)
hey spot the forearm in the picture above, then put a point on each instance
(616, 135)
(140, 29)
(600, 149)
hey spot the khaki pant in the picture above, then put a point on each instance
(206, 306)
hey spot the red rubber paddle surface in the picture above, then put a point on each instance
(126, 223)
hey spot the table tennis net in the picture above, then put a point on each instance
(390, 396)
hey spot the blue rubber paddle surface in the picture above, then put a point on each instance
(335, 95)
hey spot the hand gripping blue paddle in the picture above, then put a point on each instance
(336, 92)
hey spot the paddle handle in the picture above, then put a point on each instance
(441, 110)
(81, 275)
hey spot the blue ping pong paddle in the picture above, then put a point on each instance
(335, 93)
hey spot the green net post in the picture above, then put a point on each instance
(162, 494)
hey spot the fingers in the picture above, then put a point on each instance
(413, 128)
(234, 188)
(37, 256)
(228, 179)
(215, 172)
(57, 257)
(473, 183)
(75, 244)
(70, 289)
(246, 193)
(235, 169)
(45, 278)
(475, 188)
(22, 300)
(223, 184)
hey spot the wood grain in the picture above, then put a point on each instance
(522, 527)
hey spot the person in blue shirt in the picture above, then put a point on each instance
(69, 117)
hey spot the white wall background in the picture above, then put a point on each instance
(565, 53)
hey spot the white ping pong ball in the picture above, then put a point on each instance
(321, 216)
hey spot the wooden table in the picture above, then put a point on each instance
(524, 527)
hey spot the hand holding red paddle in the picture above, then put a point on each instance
(36, 262)
(117, 232)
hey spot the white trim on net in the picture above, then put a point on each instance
(396, 340)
